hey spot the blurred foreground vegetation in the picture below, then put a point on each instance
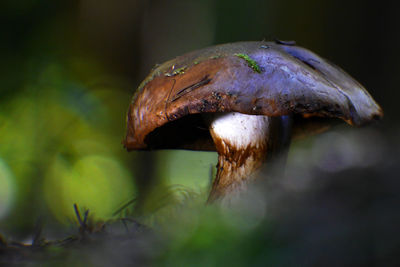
(315, 215)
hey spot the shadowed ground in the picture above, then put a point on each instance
(337, 205)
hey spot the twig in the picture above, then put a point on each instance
(37, 238)
(83, 223)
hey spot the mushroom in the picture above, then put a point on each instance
(244, 100)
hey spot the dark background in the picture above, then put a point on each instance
(69, 68)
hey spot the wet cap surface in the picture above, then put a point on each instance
(259, 78)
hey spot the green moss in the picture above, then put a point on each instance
(179, 71)
(176, 72)
(252, 63)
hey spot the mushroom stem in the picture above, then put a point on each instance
(244, 142)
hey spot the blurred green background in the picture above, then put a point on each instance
(69, 68)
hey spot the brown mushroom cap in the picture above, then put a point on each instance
(260, 78)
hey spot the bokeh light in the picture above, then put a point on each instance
(58, 127)
(95, 182)
(7, 189)
(189, 169)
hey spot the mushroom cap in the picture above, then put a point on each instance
(259, 78)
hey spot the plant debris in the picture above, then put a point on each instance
(77, 247)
